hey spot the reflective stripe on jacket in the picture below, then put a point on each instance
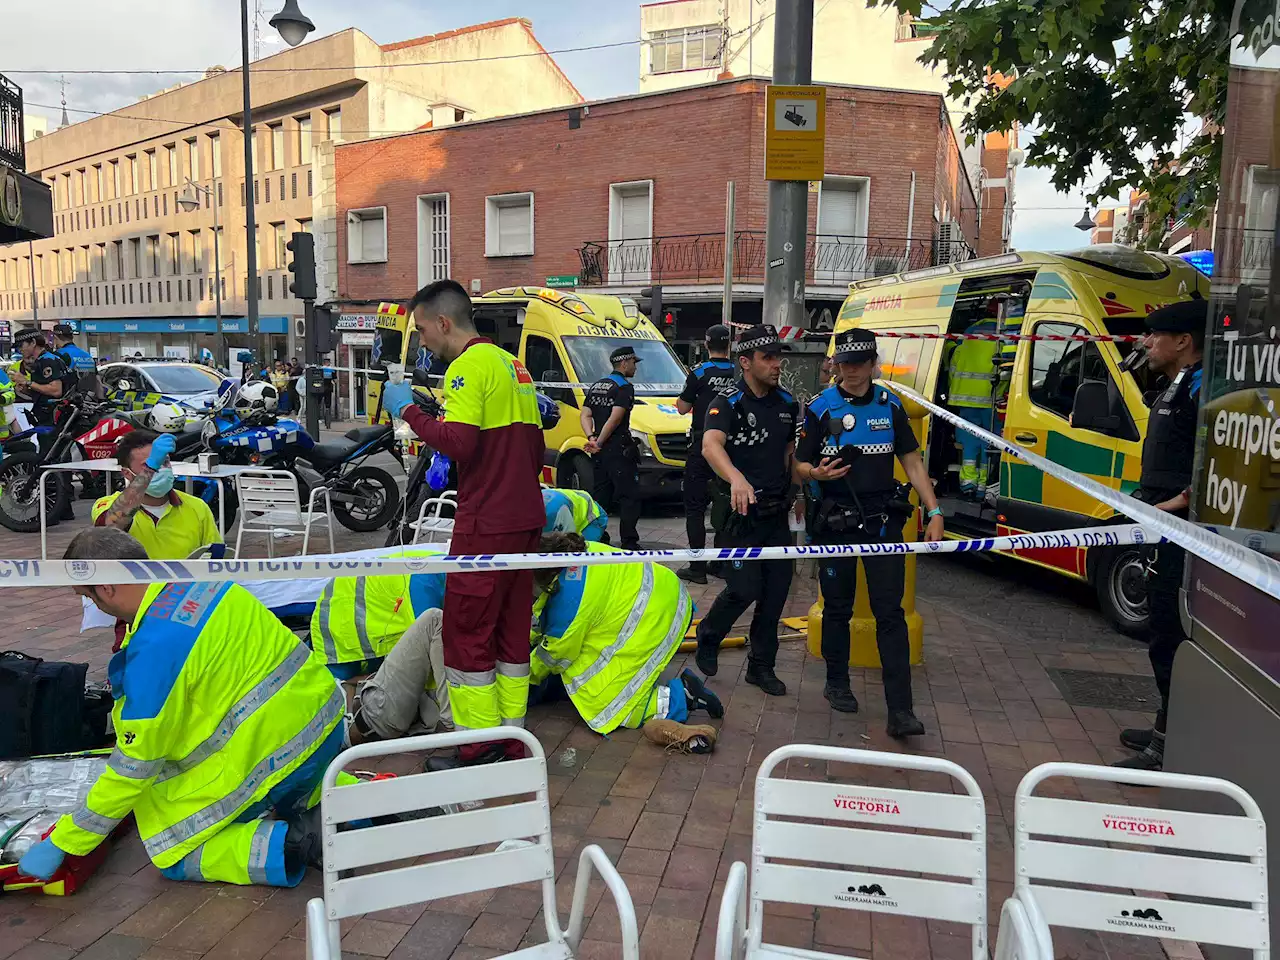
(216, 703)
(571, 511)
(972, 369)
(610, 631)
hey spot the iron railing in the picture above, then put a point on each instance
(699, 258)
(13, 152)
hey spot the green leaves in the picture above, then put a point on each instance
(1106, 82)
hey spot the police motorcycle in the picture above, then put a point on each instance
(364, 496)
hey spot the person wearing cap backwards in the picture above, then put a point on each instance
(748, 439)
(1175, 346)
(706, 381)
(606, 420)
(493, 432)
(853, 430)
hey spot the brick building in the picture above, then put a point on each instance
(629, 192)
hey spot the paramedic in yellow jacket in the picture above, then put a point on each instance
(224, 727)
(607, 632)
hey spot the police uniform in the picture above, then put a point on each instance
(705, 382)
(1167, 456)
(76, 360)
(46, 368)
(759, 432)
(858, 508)
(616, 467)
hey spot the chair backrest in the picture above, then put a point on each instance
(830, 844)
(1197, 857)
(273, 492)
(461, 844)
(432, 521)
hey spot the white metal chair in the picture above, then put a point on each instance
(1062, 857)
(371, 850)
(271, 503)
(432, 521)
(843, 866)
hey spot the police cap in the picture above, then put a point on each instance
(1185, 316)
(63, 330)
(762, 337)
(718, 333)
(27, 333)
(623, 353)
(854, 346)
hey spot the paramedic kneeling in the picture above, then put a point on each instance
(224, 727)
(852, 432)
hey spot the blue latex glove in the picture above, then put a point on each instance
(160, 450)
(42, 860)
(396, 396)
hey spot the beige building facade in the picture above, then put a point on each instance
(138, 273)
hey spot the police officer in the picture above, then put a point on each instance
(77, 361)
(852, 432)
(748, 440)
(41, 376)
(1175, 346)
(606, 421)
(707, 380)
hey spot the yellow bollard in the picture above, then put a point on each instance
(863, 651)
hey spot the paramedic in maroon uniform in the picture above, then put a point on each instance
(492, 431)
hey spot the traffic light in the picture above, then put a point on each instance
(322, 330)
(651, 304)
(303, 266)
(668, 326)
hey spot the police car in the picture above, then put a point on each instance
(141, 383)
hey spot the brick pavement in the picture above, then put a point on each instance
(672, 824)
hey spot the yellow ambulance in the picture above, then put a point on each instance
(566, 336)
(1099, 290)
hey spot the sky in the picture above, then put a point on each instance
(195, 34)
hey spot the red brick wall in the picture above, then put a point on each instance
(689, 142)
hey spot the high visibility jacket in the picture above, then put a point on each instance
(609, 631)
(216, 702)
(972, 369)
(186, 526)
(572, 511)
(362, 618)
(8, 397)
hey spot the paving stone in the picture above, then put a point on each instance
(375, 938)
(116, 947)
(502, 932)
(616, 817)
(656, 831)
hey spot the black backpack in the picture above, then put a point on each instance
(45, 708)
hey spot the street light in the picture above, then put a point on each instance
(190, 201)
(1086, 221)
(292, 24)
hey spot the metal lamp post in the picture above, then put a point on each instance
(293, 26)
(190, 201)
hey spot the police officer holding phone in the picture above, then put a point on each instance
(748, 440)
(853, 430)
(705, 382)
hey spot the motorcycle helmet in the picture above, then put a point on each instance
(256, 400)
(167, 418)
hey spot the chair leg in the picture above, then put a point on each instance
(306, 537)
(328, 522)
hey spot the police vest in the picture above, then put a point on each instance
(216, 702)
(8, 397)
(609, 631)
(601, 406)
(363, 618)
(972, 369)
(1170, 446)
(714, 378)
(866, 426)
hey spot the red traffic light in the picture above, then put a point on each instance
(669, 319)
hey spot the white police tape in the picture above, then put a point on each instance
(82, 573)
(1254, 568)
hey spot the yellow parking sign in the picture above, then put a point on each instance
(795, 132)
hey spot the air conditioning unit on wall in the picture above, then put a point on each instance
(950, 246)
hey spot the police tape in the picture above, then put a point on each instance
(787, 334)
(83, 573)
(1254, 568)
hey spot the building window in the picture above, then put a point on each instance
(278, 240)
(304, 139)
(255, 191)
(220, 193)
(93, 219)
(266, 189)
(197, 251)
(304, 226)
(171, 156)
(271, 286)
(99, 183)
(153, 170)
(253, 146)
(309, 182)
(215, 154)
(333, 124)
(153, 256)
(508, 225)
(168, 290)
(688, 48)
(175, 254)
(282, 186)
(433, 238)
(193, 159)
(117, 258)
(81, 194)
(367, 235)
(145, 214)
(277, 145)
(165, 201)
(110, 222)
(293, 182)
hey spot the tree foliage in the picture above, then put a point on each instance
(1107, 84)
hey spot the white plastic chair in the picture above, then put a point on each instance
(371, 850)
(830, 866)
(1066, 843)
(271, 503)
(432, 521)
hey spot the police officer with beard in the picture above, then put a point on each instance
(1174, 347)
(707, 380)
(853, 430)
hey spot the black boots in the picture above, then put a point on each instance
(693, 573)
(903, 723)
(840, 697)
(764, 678)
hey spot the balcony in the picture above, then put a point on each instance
(699, 258)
